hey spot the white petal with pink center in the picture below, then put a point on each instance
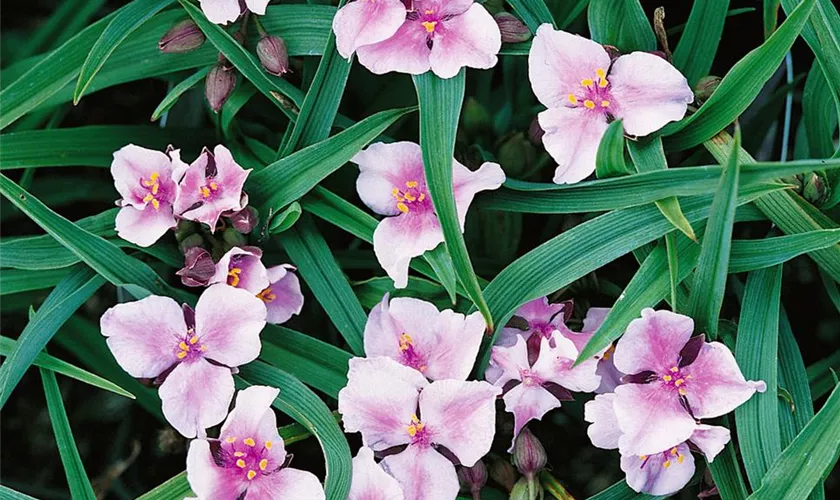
(661, 473)
(283, 298)
(365, 22)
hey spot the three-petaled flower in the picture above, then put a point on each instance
(370, 481)
(226, 11)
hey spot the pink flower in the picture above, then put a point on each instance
(191, 352)
(226, 11)
(395, 406)
(675, 379)
(282, 296)
(242, 268)
(370, 481)
(144, 179)
(392, 183)
(439, 344)
(661, 473)
(584, 89)
(249, 459)
(441, 35)
(610, 376)
(210, 186)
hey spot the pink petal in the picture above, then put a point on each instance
(604, 431)
(466, 184)
(509, 361)
(208, 480)
(651, 418)
(572, 136)
(470, 39)
(196, 396)
(363, 23)
(144, 227)
(652, 477)
(229, 179)
(594, 318)
(257, 6)
(458, 341)
(443, 7)
(380, 397)
(252, 417)
(228, 322)
(554, 364)
(252, 275)
(423, 473)
(397, 240)
(284, 285)
(370, 481)
(131, 165)
(653, 342)
(143, 335)
(540, 310)
(405, 52)
(528, 402)
(220, 11)
(286, 483)
(711, 439)
(610, 376)
(559, 61)
(461, 416)
(649, 92)
(717, 385)
(508, 336)
(383, 167)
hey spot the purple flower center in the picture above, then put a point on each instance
(675, 378)
(246, 459)
(412, 198)
(530, 378)
(189, 348)
(409, 355)
(430, 20)
(267, 295)
(419, 432)
(209, 190)
(544, 330)
(593, 94)
(669, 457)
(155, 191)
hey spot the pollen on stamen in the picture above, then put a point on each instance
(666, 464)
(263, 463)
(589, 104)
(429, 25)
(402, 207)
(240, 463)
(249, 442)
(674, 369)
(183, 345)
(251, 474)
(155, 204)
(587, 82)
(666, 378)
(573, 99)
(239, 454)
(605, 104)
(181, 355)
(421, 197)
(412, 184)
(204, 191)
(600, 72)
(268, 445)
(193, 339)
(231, 440)
(603, 82)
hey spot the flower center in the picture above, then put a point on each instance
(267, 295)
(233, 278)
(153, 186)
(594, 93)
(529, 378)
(410, 197)
(244, 457)
(189, 347)
(208, 189)
(670, 456)
(418, 431)
(675, 378)
(409, 355)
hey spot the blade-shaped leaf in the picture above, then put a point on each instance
(609, 161)
(622, 24)
(532, 12)
(177, 91)
(699, 41)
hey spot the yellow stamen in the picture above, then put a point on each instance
(402, 207)
(263, 463)
(680, 458)
(603, 82)
(233, 276)
(240, 463)
(251, 474)
(193, 339)
(679, 382)
(589, 104)
(674, 451)
(605, 104)
(642, 457)
(573, 99)
(600, 72)
(231, 439)
(183, 345)
(412, 184)
(430, 11)
(268, 445)
(203, 348)
(214, 186)
(674, 369)
(587, 82)
(405, 342)
(204, 191)
(249, 441)
(155, 188)
(152, 180)
(149, 197)
(682, 392)
(266, 295)
(409, 197)
(156, 204)
(239, 454)
(666, 464)
(666, 378)
(181, 355)
(421, 197)
(429, 25)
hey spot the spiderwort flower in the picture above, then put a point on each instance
(226, 11)
(282, 296)
(392, 183)
(441, 35)
(674, 379)
(190, 352)
(395, 406)
(583, 90)
(249, 460)
(370, 481)
(610, 376)
(242, 268)
(144, 179)
(210, 186)
(439, 344)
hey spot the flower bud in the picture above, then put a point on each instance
(244, 220)
(190, 241)
(198, 267)
(183, 37)
(814, 188)
(233, 238)
(503, 473)
(515, 154)
(273, 55)
(528, 454)
(527, 489)
(705, 87)
(513, 30)
(473, 478)
(535, 132)
(218, 85)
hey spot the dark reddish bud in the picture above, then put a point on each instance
(503, 473)
(183, 37)
(218, 85)
(273, 55)
(513, 30)
(528, 454)
(198, 267)
(535, 132)
(244, 220)
(473, 478)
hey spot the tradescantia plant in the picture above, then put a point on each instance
(475, 249)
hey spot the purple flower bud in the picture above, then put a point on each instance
(535, 132)
(473, 478)
(183, 37)
(513, 30)
(528, 454)
(218, 85)
(244, 220)
(273, 55)
(198, 267)
(503, 473)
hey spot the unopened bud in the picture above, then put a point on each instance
(233, 238)
(183, 37)
(473, 478)
(528, 454)
(513, 30)
(218, 85)
(190, 241)
(244, 220)
(527, 489)
(273, 55)
(198, 267)
(535, 132)
(503, 473)
(706, 87)
(814, 188)
(515, 154)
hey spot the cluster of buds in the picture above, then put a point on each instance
(473, 479)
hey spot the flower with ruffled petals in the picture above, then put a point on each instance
(439, 344)
(190, 352)
(282, 297)
(144, 179)
(392, 183)
(438, 35)
(395, 406)
(211, 186)
(583, 89)
(370, 481)
(674, 380)
(249, 460)
(227, 11)
(242, 268)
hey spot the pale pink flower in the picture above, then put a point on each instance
(242, 268)
(226, 11)
(370, 481)
(282, 297)
(584, 89)
(392, 183)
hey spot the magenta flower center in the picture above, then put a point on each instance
(529, 378)
(418, 431)
(430, 20)
(670, 456)
(409, 355)
(209, 190)
(545, 330)
(593, 94)
(675, 378)
(189, 348)
(153, 189)
(412, 197)
(246, 458)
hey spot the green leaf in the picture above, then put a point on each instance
(770, 16)
(609, 161)
(739, 87)
(822, 375)
(698, 44)
(285, 219)
(819, 116)
(444, 269)
(748, 255)
(622, 24)
(726, 472)
(673, 266)
(177, 91)
(532, 12)
(440, 107)
(24, 280)
(621, 491)
(11, 494)
(129, 18)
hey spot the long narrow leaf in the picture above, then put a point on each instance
(698, 44)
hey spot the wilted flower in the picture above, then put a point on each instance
(183, 37)
(273, 56)
(529, 454)
(282, 296)
(249, 459)
(242, 268)
(439, 344)
(190, 352)
(218, 85)
(441, 35)
(211, 185)
(198, 268)
(513, 30)
(583, 90)
(245, 220)
(392, 183)
(395, 406)
(370, 481)
(226, 11)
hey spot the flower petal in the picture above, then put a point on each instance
(649, 92)
(554, 364)
(405, 52)
(286, 483)
(572, 136)
(228, 322)
(466, 184)
(133, 164)
(194, 202)
(370, 481)
(653, 342)
(443, 7)
(251, 274)
(257, 6)
(470, 39)
(384, 167)
(208, 480)
(610, 376)
(196, 396)
(717, 385)
(252, 417)
(711, 439)
(458, 340)
(364, 23)
(540, 310)
(397, 240)
(594, 318)
(423, 473)
(144, 227)
(651, 476)
(559, 61)
(143, 335)
(220, 11)
(528, 402)
(461, 416)
(380, 397)
(288, 299)
(651, 418)
(604, 431)
(509, 361)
